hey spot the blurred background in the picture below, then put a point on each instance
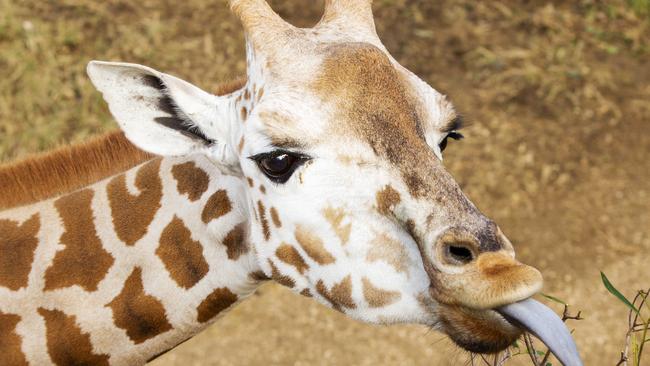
(558, 93)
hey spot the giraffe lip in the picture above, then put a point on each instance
(542, 322)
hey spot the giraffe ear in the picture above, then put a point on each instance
(163, 114)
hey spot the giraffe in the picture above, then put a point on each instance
(322, 170)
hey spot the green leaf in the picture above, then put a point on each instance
(553, 298)
(615, 292)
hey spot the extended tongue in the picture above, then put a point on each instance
(542, 322)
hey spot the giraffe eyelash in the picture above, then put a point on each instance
(450, 135)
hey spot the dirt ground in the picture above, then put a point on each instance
(558, 93)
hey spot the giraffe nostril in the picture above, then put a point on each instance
(457, 247)
(459, 254)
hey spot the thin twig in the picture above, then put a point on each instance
(566, 316)
(637, 328)
(531, 349)
(637, 314)
(506, 355)
(631, 321)
(473, 357)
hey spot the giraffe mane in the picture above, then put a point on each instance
(68, 168)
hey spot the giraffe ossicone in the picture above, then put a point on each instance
(322, 171)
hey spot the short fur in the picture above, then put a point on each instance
(66, 169)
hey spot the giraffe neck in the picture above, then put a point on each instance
(123, 270)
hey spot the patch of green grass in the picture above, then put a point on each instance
(638, 323)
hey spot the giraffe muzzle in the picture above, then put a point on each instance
(477, 270)
(488, 281)
(476, 283)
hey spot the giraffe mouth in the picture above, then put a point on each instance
(493, 330)
(543, 323)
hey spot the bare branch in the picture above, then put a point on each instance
(531, 349)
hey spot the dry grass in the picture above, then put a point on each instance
(46, 98)
(558, 92)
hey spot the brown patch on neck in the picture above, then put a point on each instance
(235, 242)
(17, 246)
(291, 256)
(66, 343)
(191, 180)
(67, 169)
(340, 295)
(84, 261)
(219, 300)
(377, 297)
(10, 351)
(258, 276)
(132, 215)
(313, 246)
(182, 256)
(278, 277)
(142, 316)
(218, 205)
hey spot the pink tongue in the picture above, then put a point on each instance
(542, 322)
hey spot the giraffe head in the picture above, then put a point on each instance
(340, 149)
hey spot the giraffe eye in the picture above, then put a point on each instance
(452, 135)
(279, 165)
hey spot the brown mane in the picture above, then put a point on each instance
(66, 169)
